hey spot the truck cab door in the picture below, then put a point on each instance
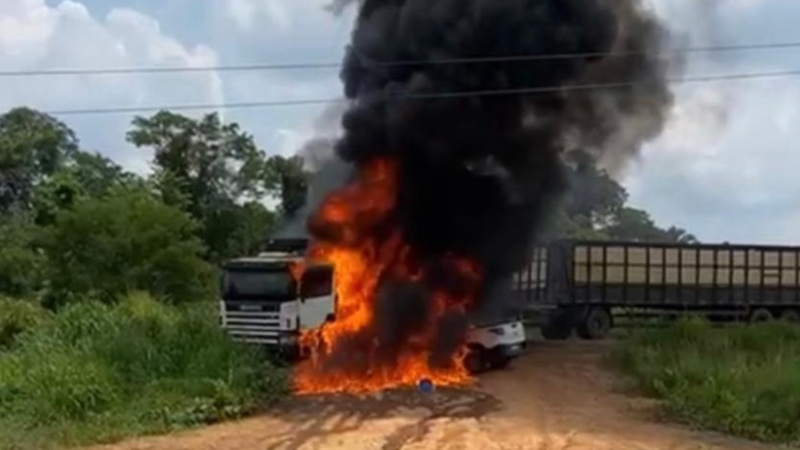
(317, 302)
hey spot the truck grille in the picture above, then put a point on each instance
(252, 322)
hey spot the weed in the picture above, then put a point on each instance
(96, 373)
(743, 380)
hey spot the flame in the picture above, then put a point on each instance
(355, 232)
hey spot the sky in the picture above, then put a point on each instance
(724, 167)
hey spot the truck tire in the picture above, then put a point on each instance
(500, 362)
(596, 324)
(475, 361)
(761, 315)
(557, 329)
(790, 316)
(560, 325)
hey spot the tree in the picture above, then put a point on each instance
(20, 262)
(253, 221)
(124, 241)
(205, 166)
(595, 208)
(96, 174)
(636, 225)
(675, 234)
(593, 194)
(287, 178)
(83, 174)
(33, 146)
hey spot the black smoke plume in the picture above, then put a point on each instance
(479, 173)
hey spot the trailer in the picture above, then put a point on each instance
(579, 285)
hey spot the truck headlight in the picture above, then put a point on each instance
(288, 340)
(500, 331)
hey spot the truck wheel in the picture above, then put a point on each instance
(475, 361)
(790, 316)
(596, 324)
(500, 362)
(761, 315)
(555, 331)
(558, 327)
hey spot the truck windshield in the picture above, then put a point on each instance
(258, 285)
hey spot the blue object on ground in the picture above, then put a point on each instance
(426, 385)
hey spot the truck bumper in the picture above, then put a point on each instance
(289, 346)
(512, 350)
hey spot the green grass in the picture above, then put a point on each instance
(743, 380)
(95, 373)
(17, 316)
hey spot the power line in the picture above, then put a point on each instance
(388, 64)
(430, 96)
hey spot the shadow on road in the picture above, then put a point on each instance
(322, 416)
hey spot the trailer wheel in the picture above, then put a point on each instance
(596, 324)
(761, 315)
(790, 316)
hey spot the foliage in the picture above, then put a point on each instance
(32, 146)
(20, 263)
(594, 198)
(595, 208)
(18, 316)
(205, 165)
(287, 177)
(743, 380)
(127, 240)
(636, 225)
(78, 233)
(98, 373)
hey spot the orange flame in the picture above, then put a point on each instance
(345, 355)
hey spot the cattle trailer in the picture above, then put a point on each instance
(583, 285)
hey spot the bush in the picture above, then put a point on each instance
(743, 380)
(98, 373)
(20, 264)
(17, 316)
(127, 240)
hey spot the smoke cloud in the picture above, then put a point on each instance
(445, 203)
(477, 175)
(326, 171)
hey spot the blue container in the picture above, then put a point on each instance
(425, 385)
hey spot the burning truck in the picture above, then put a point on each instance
(459, 118)
(279, 296)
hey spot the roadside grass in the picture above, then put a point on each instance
(95, 373)
(742, 380)
(17, 316)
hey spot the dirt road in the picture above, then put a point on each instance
(555, 398)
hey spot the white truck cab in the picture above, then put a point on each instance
(261, 304)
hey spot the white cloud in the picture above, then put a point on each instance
(278, 13)
(36, 36)
(724, 167)
(731, 181)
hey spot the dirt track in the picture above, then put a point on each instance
(555, 398)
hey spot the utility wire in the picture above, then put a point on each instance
(374, 63)
(429, 96)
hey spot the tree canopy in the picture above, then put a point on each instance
(595, 207)
(75, 223)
